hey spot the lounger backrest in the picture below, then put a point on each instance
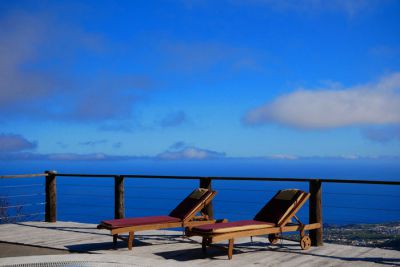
(282, 206)
(192, 204)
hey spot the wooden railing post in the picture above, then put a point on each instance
(206, 183)
(119, 193)
(315, 212)
(51, 197)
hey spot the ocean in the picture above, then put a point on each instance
(91, 199)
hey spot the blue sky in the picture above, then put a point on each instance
(199, 79)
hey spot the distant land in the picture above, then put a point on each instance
(383, 235)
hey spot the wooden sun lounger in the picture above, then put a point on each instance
(184, 215)
(272, 220)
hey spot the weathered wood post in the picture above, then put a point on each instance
(51, 197)
(206, 183)
(315, 212)
(119, 193)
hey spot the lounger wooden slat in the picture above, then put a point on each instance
(184, 215)
(265, 231)
(272, 220)
(158, 226)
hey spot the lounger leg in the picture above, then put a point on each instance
(130, 240)
(115, 238)
(230, 249)
(204, 245)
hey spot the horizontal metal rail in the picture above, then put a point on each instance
(25, 195)
(21, 216)
(23, 205)
(20, 186)
(23, 175)
(215, 178)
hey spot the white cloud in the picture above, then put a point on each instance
(20, 37)
(185, 154)
(282, 157)
(190, 153)
(73, 156)
(36, 54)
(349, 157)
(15, 143)
(66, 157)
(370, 104)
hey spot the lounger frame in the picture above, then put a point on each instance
(272, 232)
(191, 220)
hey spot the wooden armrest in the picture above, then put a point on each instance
(200, 218)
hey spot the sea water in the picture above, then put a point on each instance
(92, 199)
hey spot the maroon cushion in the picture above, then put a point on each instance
(232, 226)
(188, 205)
(277, 208)
(117, 223)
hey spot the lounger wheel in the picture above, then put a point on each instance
(305, 242)
(273, 238)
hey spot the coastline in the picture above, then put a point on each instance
(382, 235)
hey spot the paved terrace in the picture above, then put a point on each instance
(169, 248)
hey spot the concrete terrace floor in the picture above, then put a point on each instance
(169, 248)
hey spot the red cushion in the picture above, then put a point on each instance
(117, 223)
(208, 228)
